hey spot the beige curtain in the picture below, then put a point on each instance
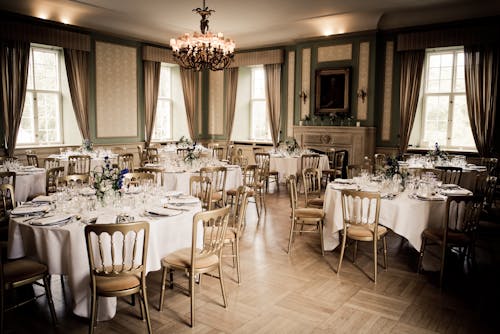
(231, 88)
(188, 78)
(77, 68)
(151, 86)
(273, 97)
(481, 88)
(14, 60)
(411, 76)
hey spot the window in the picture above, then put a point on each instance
(258, 107)
(42, 116)
(162, 130)
(442, 115)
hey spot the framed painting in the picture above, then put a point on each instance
(332, 90)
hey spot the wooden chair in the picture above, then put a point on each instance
(248, 180)
(239, 159)
(182, 152)
(51, 163)
(138, 178)
(218, 153)
(379, 161)
(341, 159)
(491, 165)
(311, 178)
(361, 212)
(32, 160)
(126, 161)
(156, 171)
(18, 273)
(460, 223)
(263, 161)
(201, 187)
(199, 260)
(329, 174)
(74, 180)
(450, 174)
(485, 186)
(235, 228)
(230, 152)
(151, 152)
(7, 203)
(353, 171)
(217, 176)
(309, 161)
(51, 179)
(113, 274)
(8, 178)
(303, 217)
(79, 165)
(142, 156)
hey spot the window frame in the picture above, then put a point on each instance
(169, 101)
(254, 100)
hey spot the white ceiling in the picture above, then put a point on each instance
(252, 23)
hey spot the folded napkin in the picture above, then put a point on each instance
(163, 211)
(449, 186)
(51, 220)
(173, 193)
(178, 207)
(184, 200)
(436, 197)
(459, 192)
(341, 186)
(24, 210)
(345, 181)
(43, 199)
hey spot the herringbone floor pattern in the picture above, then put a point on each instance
(301, 293)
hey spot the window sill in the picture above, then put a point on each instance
(420, 150)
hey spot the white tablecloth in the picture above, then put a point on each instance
(179, 181)
(287, 166)
(405, 216)
(64, 251)
(29, 184)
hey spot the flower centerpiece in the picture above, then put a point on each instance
(393, 169)
(291, 145)
(191, 154)
(184, 142)
(106, 179)
(437, 153)
(87, 145)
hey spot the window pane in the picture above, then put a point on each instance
(439, 73)
(260, 127)
(48, 117)
(163, 120)
(460, 73)
(26, 134)
(165, 83)
(258, 83)
(461, 131)
(30, 73)
(436, 119)
(46, 70)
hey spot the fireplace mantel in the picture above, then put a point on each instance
(358, 141)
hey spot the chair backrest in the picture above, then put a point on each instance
(156, 171)
(8, 178)
(249, 175)
(138, 178)
(309, 161)
(241, 201)
(142, 155)
(330, 153)
(450, 174)
(214, 224)
(421, 172)
(79, 164)
(311, 178)
(239, 159)
(292, 192)
(51, 179)
(462, 214)
(485, 186)
(117, 249)
(151, 155)
(32, 159)
(230, 152)
(218, 153)
(201, 187)
(360, 208)
(379, 161)
(51, 163)
(353, 171)
(73, 180)
(261, 159)
(340, 163)
(126, 161)
(217, 176)
(182, 152)
(7, 201)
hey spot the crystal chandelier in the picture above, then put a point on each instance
(203, 51)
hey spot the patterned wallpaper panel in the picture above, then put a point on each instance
(116, 90)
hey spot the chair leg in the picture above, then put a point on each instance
(355, 254)
(162, 291)
(191, 295)
(385, 252)
(146, 309)
(221, 280)
(421, 256)
(320, 225)
(238, 272)
(441, 273)
(342, 250)
(375, 262)
(48, 293)
(141, 306)
(93, 311)
(290, 239)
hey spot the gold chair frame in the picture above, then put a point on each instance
(79, 164)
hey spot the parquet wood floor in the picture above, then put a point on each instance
(301, 293)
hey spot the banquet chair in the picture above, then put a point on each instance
(458, 230)
(51, 179)
(379, 161)
(230, 152)
(199, 259)
(32, 159)
(217, 176)
(117, 256)
(341, 159)
(201, 187)
(74, 180)
(329, 174)
(8, 178)
(142, 155)
(156, 171)
(7, 203)
(125, 161)
(353, 171)
(18, 273)
(302, 217)
(79, 164)
(218, 153)
(311, 178)
(235, 228)
(138, 178)
(450, 174)
(239, 159)
(182, 152)
(51, 163)
(263, 161)
(309, 161)
(485, 187)
(248, 176)
(421, 172)
(361, 212)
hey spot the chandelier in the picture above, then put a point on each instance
(203, 51)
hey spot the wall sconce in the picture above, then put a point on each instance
(303, 96)
(362, 94)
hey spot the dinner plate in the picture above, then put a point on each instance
(158, 211)
(456, 192)
(43, 199)
(51, 220)
(449, 186)
(431, 198)
(26, 210)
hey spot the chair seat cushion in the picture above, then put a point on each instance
(365, 232)
(453, 237)
(182, 259)
(118, 283)
(315, 202)
(309, 213)
(19, 270)
(231, 192)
